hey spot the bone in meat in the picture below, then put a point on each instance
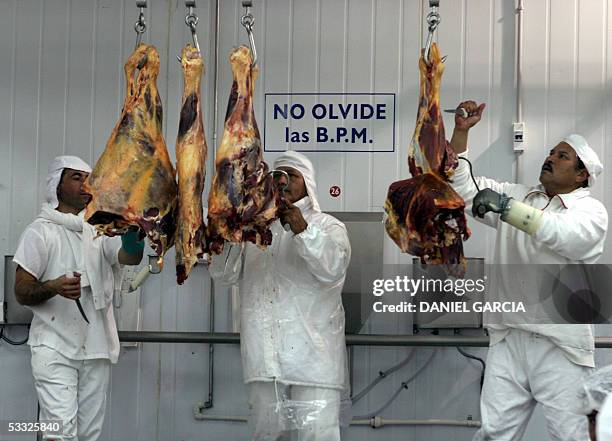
(242, 201)
(190, 160)
(425, 215)
(133, 183)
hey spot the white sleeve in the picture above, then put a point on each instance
(463, 184)
(111, 247)
(325, 249)
(32, 253)
(578, 233)
(226, 268)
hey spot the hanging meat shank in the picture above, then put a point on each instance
(424, 214)
(191, 153)
(242, 201)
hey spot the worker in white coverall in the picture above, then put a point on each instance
(595, 401)
(60, 260)
(557, 222)
(292, 319)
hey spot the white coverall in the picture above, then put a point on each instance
(292, 321)
(70, 358)
(539, 362)
(604, 420)
(596, 396)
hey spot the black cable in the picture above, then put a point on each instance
(403, 386)
(381, 376)
(471, 173)
(9, 341)
(480, 360)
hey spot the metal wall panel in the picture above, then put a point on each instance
(61, 89)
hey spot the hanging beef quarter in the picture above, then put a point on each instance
(424, 214)
(242, 201)
(190, 164)
(132, 184)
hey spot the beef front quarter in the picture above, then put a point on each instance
(424, 214)
(132, 184)
(242, 201)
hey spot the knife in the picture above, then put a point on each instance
(78, 302)
(71, 274)
(458, 111)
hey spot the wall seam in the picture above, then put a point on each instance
(92, 93)
(12, 128)
(67, 71)
(38, 95)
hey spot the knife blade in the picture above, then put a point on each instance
(78, 302)
(458, 111)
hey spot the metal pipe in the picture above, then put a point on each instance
(351, 339)
(211, 347)
(230, 418)
(380, 422)
(519, 83)
(351, 368)
(202, 406)
(519, 61)
(415, 340)
(216, 82)
(211, 306)
(374, 422)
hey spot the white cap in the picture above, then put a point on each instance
(302, 164)
(54, 175)
(586, 154)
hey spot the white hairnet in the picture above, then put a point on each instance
(604, 420)
(595, 390)
(54, 175)
(302, 164)
(587, 155)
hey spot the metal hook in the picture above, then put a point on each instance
(191, 20)
(282, 187)
(141, 25)
(247, 21)
(433, 20)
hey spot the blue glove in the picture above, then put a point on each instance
(130, 242)
(488, 200)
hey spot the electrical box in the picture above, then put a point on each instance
(518, 136)
(16, 314)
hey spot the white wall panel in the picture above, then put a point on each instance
(386, 75)
(61, 90)
(8, 35)
(331, 72)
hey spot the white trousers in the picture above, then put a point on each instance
(315, 410)
(522, 370)
(72, 391)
